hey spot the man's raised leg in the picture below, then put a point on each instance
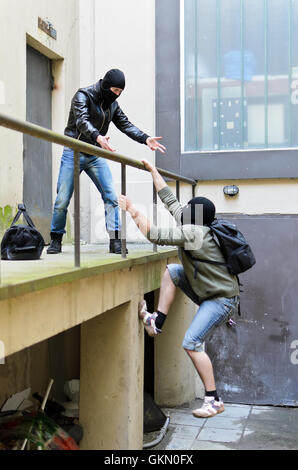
(153, 321)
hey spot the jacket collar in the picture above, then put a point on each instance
(97, 91)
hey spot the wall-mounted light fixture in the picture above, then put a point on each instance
(231, 191)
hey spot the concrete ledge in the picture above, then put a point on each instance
(69, 275)
(38, 309)
(102, 300)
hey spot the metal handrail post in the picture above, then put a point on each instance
(178, 190)
(154, 213)
(193, 190)
(77, 235)
(123, 218)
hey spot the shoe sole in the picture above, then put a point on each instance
(141, 307)
(210, 416)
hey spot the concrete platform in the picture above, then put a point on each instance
(42, 299)
(20, 277)
(240, 427)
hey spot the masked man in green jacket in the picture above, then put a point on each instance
(213, 289)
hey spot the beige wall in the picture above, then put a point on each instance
(90, 41)
(18, 25)
(125, 39)
(255, 196)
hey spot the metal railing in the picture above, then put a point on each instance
(79, 146)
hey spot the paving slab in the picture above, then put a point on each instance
(293, 420)
(268, 426)
(263, 440)
(225, 423)
(205, 445)
(235, 412)
(185, 419)
(186, 432)
(274, 414)
(240, 427)
(220, 435)
(177, 443)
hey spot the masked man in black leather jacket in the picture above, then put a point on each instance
(92, 110)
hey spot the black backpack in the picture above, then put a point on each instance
(235, 249)
(22, 242)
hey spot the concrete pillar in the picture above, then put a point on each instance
(111, 396)
(176, 381)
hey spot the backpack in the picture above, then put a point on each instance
(22, 242)
(234, 247)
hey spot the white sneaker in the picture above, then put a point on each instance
(210, 407)
(148, 319)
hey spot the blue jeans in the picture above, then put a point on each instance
(98, 170)
(211, 313)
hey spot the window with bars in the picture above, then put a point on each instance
(240, 74)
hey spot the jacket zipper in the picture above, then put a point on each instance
(104, 118)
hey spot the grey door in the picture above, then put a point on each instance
(257, 361)
(37, 188)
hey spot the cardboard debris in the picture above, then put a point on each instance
(25, 405)
(15, 401)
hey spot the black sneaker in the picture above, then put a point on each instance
(56, 244)
(115, 247)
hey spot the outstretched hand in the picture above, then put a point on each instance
(124, 203)
(104, 143)
(148, 165)
(153, 144)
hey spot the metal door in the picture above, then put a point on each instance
(257, 361)
(37, 188)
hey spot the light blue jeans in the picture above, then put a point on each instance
(99, 172)
(211, 313)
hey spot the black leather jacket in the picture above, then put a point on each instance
(87, 120)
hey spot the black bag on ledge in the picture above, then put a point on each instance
(22, 242)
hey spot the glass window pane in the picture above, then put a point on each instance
(230, 109)
(190, 75)
(241, 74)
(278, 73)
(254, 75)
(294, 74)
(207, 72)
(200, 73)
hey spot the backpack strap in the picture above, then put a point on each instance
(22, 210)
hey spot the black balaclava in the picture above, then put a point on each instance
(199, 211)
(113, 78)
